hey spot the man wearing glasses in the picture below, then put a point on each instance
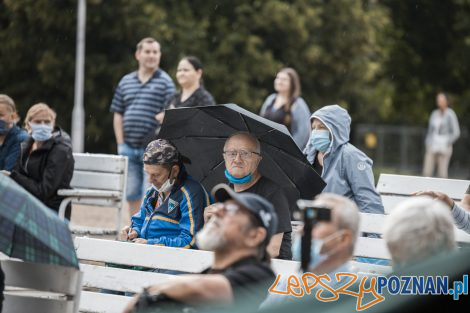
(242, 155)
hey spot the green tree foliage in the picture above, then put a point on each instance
(378, 58)
(429, 51)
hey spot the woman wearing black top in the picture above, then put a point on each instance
(287, 107)
(193, 93)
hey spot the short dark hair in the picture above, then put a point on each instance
(140, 44)
(194, 61)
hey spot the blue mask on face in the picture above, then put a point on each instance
(41, 132)
(4, 128)
(320, 139)
(315, 256)
(315, 248)
(238, 181)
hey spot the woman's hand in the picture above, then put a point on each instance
(436, 195)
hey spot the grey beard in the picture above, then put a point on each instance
(211, 238)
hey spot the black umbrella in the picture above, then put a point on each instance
(200, 133)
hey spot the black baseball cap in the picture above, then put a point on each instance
(261, 208)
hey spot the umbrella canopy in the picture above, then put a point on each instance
(31, 231)
(200, 133)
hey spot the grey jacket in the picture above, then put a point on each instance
(346, 170)
(449, 127)
(300, 127)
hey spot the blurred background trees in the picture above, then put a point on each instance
(383, 60)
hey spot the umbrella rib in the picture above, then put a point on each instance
(212, 170)
(280, 170)
(244, 121)
(292, 157)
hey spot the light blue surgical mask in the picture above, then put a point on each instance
(41, 132)
(238, 181)
(316, 246)
(4, 127)
(320, 139)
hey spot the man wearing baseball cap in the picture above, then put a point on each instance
(238, 232)
(172, 210)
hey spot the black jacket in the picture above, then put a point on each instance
(47, 169)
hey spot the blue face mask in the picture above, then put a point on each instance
(238, 181)
(320, 139)
(41, 132)
(4, 128)
(315, 248)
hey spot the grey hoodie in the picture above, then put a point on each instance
(346, 170)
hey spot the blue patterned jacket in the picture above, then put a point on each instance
(176, 221)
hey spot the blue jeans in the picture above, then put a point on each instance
(137, 180)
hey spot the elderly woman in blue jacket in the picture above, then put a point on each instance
(346, 170)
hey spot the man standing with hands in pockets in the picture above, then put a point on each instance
(139, 96)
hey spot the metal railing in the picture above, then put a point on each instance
(400, 149)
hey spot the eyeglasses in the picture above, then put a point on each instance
(244, 155)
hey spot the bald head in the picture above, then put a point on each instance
(246, 138)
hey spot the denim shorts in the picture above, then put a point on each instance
(137, 180)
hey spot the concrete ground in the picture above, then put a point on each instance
(97, 217)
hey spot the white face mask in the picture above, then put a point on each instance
(166, 186)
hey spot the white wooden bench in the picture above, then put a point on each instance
(97, 276)
(40, 288)
(396, 188)
(98, 180)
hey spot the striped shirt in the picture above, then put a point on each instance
(461, 218)
(138, 103)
